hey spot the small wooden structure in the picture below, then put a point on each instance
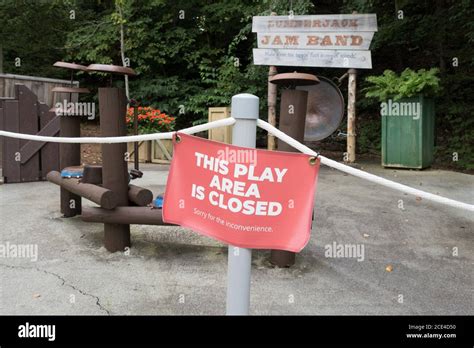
(293, 105)
(24, 160)
(108, 185)
(223, 134)
(25, 103)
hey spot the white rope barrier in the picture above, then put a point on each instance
(264, 125)
(115, 140)
(361, 174)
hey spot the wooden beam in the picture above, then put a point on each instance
(124, 215)
(32, 147)
(103, 197)
(139, 195)
(351, 116)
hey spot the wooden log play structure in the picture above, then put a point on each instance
(121, 203)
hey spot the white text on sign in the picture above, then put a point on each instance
(223, 185)
(315, 58)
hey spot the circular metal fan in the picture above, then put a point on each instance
(325, 109)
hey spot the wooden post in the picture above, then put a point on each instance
(112, 107)
(272, 100)
(293, 124)
(351, 116)
(92, 174)
(69, 156)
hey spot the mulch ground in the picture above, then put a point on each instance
(90, 153)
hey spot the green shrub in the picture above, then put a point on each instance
(409, 84)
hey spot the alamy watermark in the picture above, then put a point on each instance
(75, 109)
(28, 330)
(405, 109)
(231, 155)
(336, 250)
(24, 251)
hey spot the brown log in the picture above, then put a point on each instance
(112, 108)
(139, 195)
(124, 215)
(104, 197)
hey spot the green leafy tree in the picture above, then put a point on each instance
(32, 36)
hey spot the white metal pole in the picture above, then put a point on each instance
(245, 112)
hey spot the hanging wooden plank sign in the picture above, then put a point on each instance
(334, 41)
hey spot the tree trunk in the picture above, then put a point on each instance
(1, 59)
(122, 50)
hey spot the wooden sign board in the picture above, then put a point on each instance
(334, 41)
(322, 58)
(318, 40)
(315, 23)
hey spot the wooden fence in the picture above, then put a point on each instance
(25, 102)
(40, 86)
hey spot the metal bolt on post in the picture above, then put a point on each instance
(244, 110)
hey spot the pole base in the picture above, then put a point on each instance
(282, 258)
(116, 237)
(71, 204)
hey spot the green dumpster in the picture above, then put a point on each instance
(408, 132)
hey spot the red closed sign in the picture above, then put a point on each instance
(245, 197)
